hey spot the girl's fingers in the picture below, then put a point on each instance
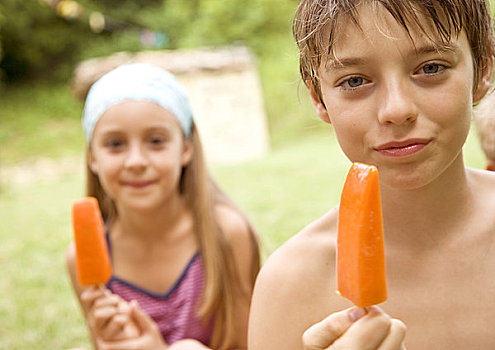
(90, 294)
(109, 300)
(396, 336)
(322, 334)
(103, 315)
(114, 328)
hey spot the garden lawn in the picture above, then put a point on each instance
(281, 193)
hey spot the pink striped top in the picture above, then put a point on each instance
(175, 312)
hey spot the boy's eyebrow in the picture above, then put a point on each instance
(341, 63)
(442, 47)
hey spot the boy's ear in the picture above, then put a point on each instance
(187, 152)
(484, 83)
(318, 105)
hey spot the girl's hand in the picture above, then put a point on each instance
(356, 328)
(149, 337)
(108, 315)
(188, 344)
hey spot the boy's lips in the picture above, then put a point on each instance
(402, 148)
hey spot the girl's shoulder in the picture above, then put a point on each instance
(233, 224)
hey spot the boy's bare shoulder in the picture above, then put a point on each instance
(295, 287)
(313, 247)
(483, 185)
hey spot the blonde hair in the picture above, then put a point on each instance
(484, 118)
(202, 194)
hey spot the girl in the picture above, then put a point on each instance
(181, 251)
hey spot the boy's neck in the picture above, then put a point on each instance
(437, 208)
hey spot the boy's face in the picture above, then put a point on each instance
(403, 107)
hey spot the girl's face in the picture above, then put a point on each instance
(138, 152)
(403, 107)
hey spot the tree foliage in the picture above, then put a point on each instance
(36, 42)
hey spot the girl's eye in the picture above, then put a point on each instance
(114, 144)
(353, 82)
(156, 140)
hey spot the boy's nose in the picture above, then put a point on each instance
(136, 159)
(396, 105)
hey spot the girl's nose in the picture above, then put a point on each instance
(397, 105)
(135, 159)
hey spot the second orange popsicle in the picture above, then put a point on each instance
(361, 274)
(92, 258)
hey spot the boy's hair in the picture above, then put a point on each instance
(316, 24)
(484, 116)
(221, 281)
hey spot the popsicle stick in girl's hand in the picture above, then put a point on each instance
(360, 249)
(92, 260)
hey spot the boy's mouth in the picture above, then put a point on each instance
(402, 148)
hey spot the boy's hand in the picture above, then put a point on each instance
(356, 328)
(149, 337)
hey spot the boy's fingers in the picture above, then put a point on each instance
(369, 332)
(396, 336)
(324, 333)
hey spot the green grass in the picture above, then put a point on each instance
(281, 193)
(293, 185)
(38, 120)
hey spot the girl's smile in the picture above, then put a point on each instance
(138, 184)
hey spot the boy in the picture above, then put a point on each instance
(397, 81)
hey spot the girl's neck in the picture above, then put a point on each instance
(157, 224)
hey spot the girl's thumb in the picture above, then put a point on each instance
(143, 321)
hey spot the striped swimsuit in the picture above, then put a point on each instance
(174, 311)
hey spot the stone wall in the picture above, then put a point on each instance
(223, 87)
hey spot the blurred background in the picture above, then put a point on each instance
(296, 180)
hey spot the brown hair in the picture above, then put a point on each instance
(202, 195)
(317, 22)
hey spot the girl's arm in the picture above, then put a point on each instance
(237, 232)
(106, 314)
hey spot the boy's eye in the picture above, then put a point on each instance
(431, 68)
(353, 82)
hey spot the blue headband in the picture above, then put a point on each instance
(137, 81)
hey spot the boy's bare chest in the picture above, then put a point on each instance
(446, 301)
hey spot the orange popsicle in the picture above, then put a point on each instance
(92, 260)
(360, 249)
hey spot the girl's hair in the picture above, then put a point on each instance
(221, 281)
(317, 23)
